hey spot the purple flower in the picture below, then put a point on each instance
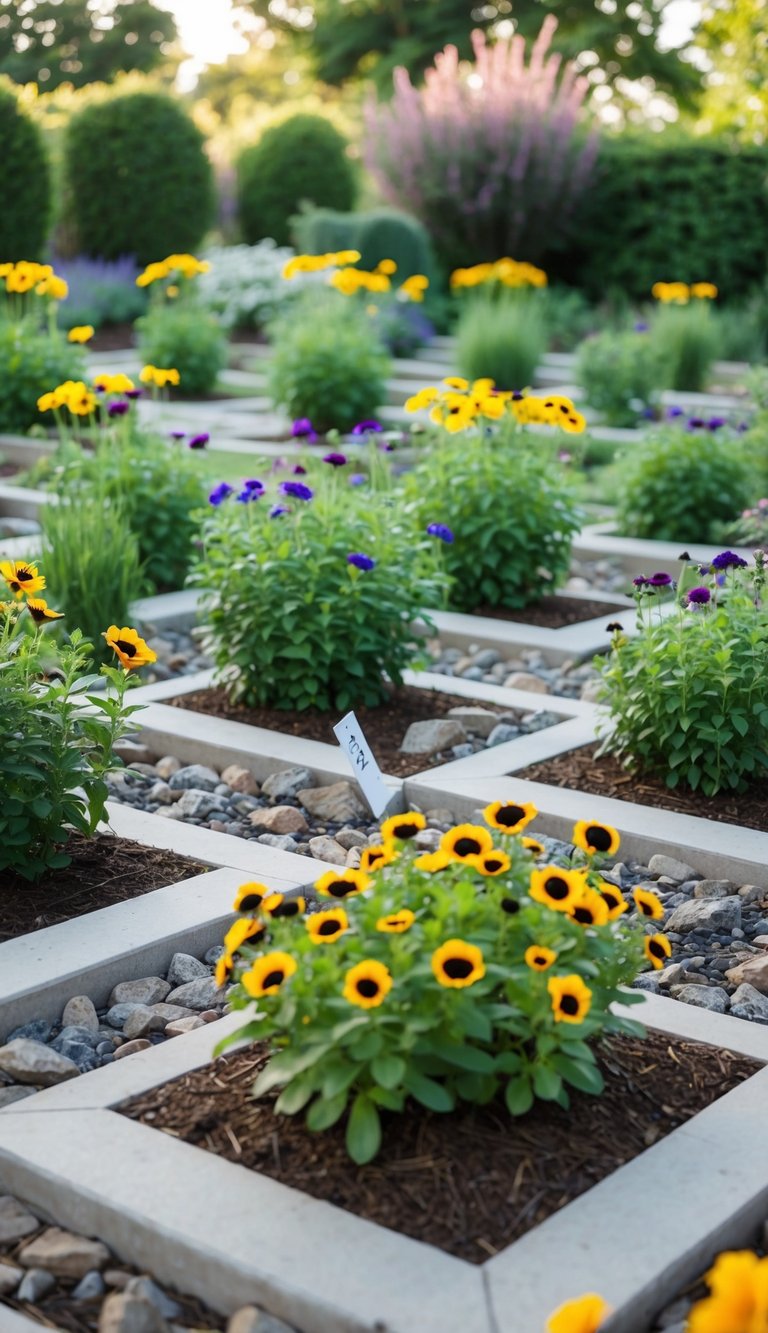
(696, 423)
(649, 413)
(715, 423)
(361, 561)
(118, 409)
(440, 530)
(133, 393)
(297, 490)
(277, 510)
(363, 427)
(299, 471)
(660, 580)
(249, 493)
(177, 434)
(387, 447)
(673, 412)
(728, 560)
(699, 596)
(199, 441)
(220, 493)
(641, 326)
(335, 460)
(357, 479)
(253, 484)
(641, 581)
(302, 429)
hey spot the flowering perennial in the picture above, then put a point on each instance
(462, 405)
(680, 293)
(507, 272)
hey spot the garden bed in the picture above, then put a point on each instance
(581, 770)
(553, 612)
(470, 1182)
(104, 870)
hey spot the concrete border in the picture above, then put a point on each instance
(598, 541)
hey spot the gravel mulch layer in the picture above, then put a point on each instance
(103, 870)
(552, 612)
(530, 669)
(580, 770)
(470, 1182)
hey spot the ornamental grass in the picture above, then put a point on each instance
(457, 975)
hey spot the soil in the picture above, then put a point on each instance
(113, 338)
(470, 1182)
(384, 726)
(581, 770)
(103, 870)
(10, 470)
(552, 612)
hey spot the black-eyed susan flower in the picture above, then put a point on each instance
(648, 904)
(401, 827)
(40, 611)
(491, 863)
(539, 958)
(614, 899)
(368, 984)
(81, 333)
(571, 998)
(324, 927)
(342, 883)
(509, 905)
(556, 887)
(594, 838)
(250, 896)
(657, 949)
(587, 1314)
(22, 579)
(466, 840)
(375, 858)
(277, 905)
(129, 646)
(533, 846)
(241, 931)
(224, 969)
(433, 862)
(457, 964)
(397, 922)
(267, 974)
(590, 910)
(509, 816)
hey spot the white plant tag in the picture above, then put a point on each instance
(350, 736)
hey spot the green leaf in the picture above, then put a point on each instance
(427, 1091)
(388, 1070)
(585, 1077)
(464, 1057)
(325, 1111)
(363, 1130)
(546, 1083)
(518, 1095)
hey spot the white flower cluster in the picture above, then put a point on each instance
(245, 285)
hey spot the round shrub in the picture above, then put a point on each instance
(621, 374)
(25, 214)
(326, 363)
(187, 338)
(138, 178)
(302, 159)
(386, 233)
(683, 485)
(31, 363)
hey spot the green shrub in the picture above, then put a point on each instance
(750, 529)
(91, 557)
(326, 363)
(303, 158)
(683, 485)
(293, 622)
(138, 177)
(686, 340)
(188, 338)
(25, 215)
(569, 317)
(503, 337)
(688, 695)
(742, 330)
(386, 233)
(321, 231)
(621, 374)
(31, 363)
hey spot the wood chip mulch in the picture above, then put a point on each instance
(470, 1182)
(553, 612)
(580, 770)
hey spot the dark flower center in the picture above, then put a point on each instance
(492, 864)
(251, 902)
(612, 899)
(329, 928)
(128, 649)
(339, 888)
(599, 838)
(656, 949)
(466, 847)
(457, 968)
(287, 909)
(645, 908)
(273, 978)
(584, 915)
(557, 888)
(569, 1004)
(510, 905)
(367, 988)
(405, 831)
(510, 815)
(23, 575)
(540, 960)
(373, 857)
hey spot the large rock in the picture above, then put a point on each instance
(279, 819)
(133, 1047)
(478, 721)
(196, 804)
(185, 967)
(240, 779)
(126, 1312)
(64, 1254)
(338, 804)
(80, 1012)
(142, 1021)
(144, 990)
(287, 784)
(10, 1277)
(194, 776)
(30, 1062)
(713, 998)
(706, 914)
(667, 865)
(526, 680)
(747, 1002)
(202, 993)
(753, 971)
(327, 849)
(431, 737)
(150, 1291)
(16, 1221)
(714, 888)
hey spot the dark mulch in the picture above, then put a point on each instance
(580, 770)
(10, 469)
(384, 726)
(552, 612)
(113, 338)
(104, 870)
(470, 1182)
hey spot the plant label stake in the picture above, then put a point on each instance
(350, 736)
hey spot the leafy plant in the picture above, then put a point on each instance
(750, 529)
(25, 216)
(448, 977)
(188, 338)
(679, 487)
(303, 158)
(688, 694)
(621, 373)
(244, 285)
(686, 339)
(30, 361)
(501, 337)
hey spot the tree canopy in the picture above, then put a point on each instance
(50, 42)
(734, 38)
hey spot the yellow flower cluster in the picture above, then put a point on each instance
(680, 293)
(158, 377)
(508, 272)
(72, 394)
(81, 333)
(318, 263)
(24, 581)
(187, 266)
(413, 288)
(118, 383)
(26, 276)
(349, 281)
(462, 404)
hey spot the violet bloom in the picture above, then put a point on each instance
(696, 423)
(253, 484)
(302, 429)
(297, 490)
(641, 326)
(715, 423)
(361, 561)
(440, 530)
(660, 580)
(673, 412)
(363, 427)
(277, 510)
(118, 409)
(699, 596)
(335, 460)
(220, 493)
(134, 393)
(199, 441)
(728, 560)
(177, 434)
(299, 471)
(248, 494)
(641, 581)
(387, 447)
(357, 479)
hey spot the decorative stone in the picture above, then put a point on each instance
(502, 733)
(37, 1030)
(10, 1277)
(667, 865)
(181, 1025)
(279, 819)
(117, 1277)
(338, 804)
(143, 1021)
(184, 967)
(15, 1093)
(703, 997)
(80, 1012)
(195, 777)
(676, 975)
(747, 1002)
(720, 914)
(753, 971)
(525, 680)
(714, 888)
(64, 1253)
(167, 766)
(201, 993)
(351, 837)
(16, 1221)
(240, 779)
(282, 841)
(118, 1013)
(287, 784)
(196, 804)
(144, 990)
(427, 839)
(478, 721)
(432, 736)
(354, 857)
(90, 1288)
(150, 1291)
(252, 1320)
(170, 1012)
(30, 1062)
(324, 848)
(123, 1312)
(35, 1284)
(132, 1047)
(161, 794)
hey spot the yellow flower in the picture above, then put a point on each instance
(738, 1300)
(40, 611)
(509, 816)
(401, 827)
(374, 858)
(387, 266)
(491, 863)
(539, 958)
(342, 883)
(81, 333)
(129, 646)
(648, 904)
(250, 897)
(368, 984)
(48, 402)
(424, 398)
(457, 964)
(704, 291)
(152, 273)
(595, 838)
(413, 288)
(533, 846)
(466, 840)
(397, 922)
(614, 900)
(584, 1315)
(571, 999)
(590, 910)
(324, 927)
(79, 399)
(54, 287)
(267, 974)
(240, 931)
(657, 949)
(118, 383)
(22, 578)
(556, 887)
(456, 382)
(223, 970)
(432, 862)
(277, 905)
(676, 293)
(159, 377)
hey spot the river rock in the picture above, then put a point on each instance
(282, 841)
(167, 766)
(184, 967)
(37, 1030)
(143, 1021)
(30, 1062)
(150, 1291)
(64, 1253)
(753, 971)
(286, 785)
(91, 1287)
(327, 849)
(526, 680)
(195, 777)
(279, 819)
(713, 998)
(10, 1277)
(240, 779)
(132, 1047)
(252, 1320)
(202, 993)
(80, 1012)
(16, 1221)
(673, 869)
(144, 990)
(432, 736)
(479, 721)
(124, 1312)
(719, 914)
(179, 1026)
(338, 804)
(714, 888)
(747, 1002)
(35, 1285)
(197, 804)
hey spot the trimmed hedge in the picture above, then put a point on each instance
(694, 210)
(138, 178)
(25, 213)
(381, 233)
(301, 160)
